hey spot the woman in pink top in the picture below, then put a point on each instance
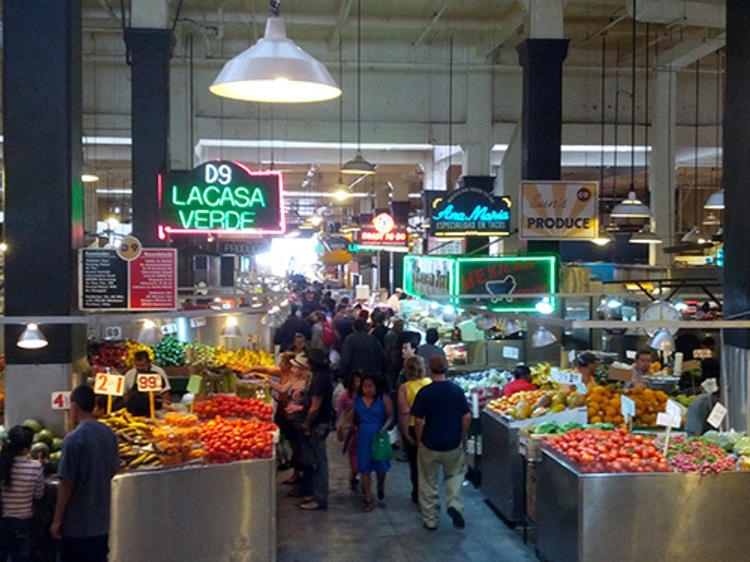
(346, 429)
(21, 482)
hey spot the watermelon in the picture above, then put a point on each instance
(44, 436)
(57, 443)
(38, 448)
(33, 425)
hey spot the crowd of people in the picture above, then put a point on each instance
(361, 374)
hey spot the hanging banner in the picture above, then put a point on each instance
(428, 277)
(503, 277)
(559, 210)
(108, 282)
(221, 197)
(470, 211)
(382, 234)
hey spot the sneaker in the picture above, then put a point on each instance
(426, 526)
(458, 519)
(311, 505)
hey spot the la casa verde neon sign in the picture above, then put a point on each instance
(221, 197)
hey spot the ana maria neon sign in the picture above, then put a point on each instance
(470, 211)
(221, 197)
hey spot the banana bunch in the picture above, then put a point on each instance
(134, 436)
(221, 356)
(541, 374)
(201, 356)
(222, 381)
(133, 348)
(244, 360)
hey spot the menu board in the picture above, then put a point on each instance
(108, 282)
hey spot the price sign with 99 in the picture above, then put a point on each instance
(149, 382)
(112, 385)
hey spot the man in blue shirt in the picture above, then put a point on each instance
(442, 420)
(87, 465)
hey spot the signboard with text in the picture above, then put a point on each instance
(503, 277)
(221, 197)
(559, 210)
(470, 211)
(427, 276)
(383, 233)
(108, 282)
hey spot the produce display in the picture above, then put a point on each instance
(541, 376)
(695, 455)
(603, 403)
(170, 352)
(110, 356)
(233, 406)
(606, 451)
(535, 403)
(217, 381)
(552, 427)
(134, 347)
(487, 384)
(201, 355)
(45, 447)
(232, 440)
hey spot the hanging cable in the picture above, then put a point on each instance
(695, 138)
(359, 74)
(450, 106)
(632, 104)
(646, 124)
(617, 120)
(341, 102)
(603, 109)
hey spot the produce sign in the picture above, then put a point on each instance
(428, 277)
(502, 277)
(470, 211)
(599, 450)
(221, 197)
(109, 282)
(559, 210)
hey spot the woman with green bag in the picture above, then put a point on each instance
(373, 412)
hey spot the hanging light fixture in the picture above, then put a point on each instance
(275, 70)
(632, 208)
(603, 238)
(662, 341)
(645, 236)
(32, 338)
(715, 201)
(542, 337)
(149, 334)
(88, 175)
(511, 327)
(231, 328)
(694, 236)
(358, 165)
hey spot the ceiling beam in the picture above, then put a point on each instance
(432, 24)
(507, 29)
(680, 12)
(343, 16)
(689, 51)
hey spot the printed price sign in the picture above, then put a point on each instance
(253, 338)
(631, 354)
(710, 385)
(717, 415)
(581, 388)
(194, 383)
(113, 333)
(702, 354)
(510, 352)
(109, 384)
(60, 400)
(555, 374)
(572, 355)
(149, 382)
(575, 378)
(627, 407)
(198, 322)
(663, 419)
(169, 329)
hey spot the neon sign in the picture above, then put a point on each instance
(470, 212)
(383, 223)
(221, 197)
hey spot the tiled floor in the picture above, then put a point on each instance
(393, 531)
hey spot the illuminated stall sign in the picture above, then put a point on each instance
(221, 197)
(503, 277)
(428, 277)
(382, 234)
(470, 212)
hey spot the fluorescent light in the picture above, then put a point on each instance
(287, 144)
(124, 141)
(415, 196)
(614, 303)
(312, 194)
(597, 148)
(115, 191)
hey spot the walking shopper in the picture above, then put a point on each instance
(346, 429)
(319, 414)
(442, 419)
(373, 411)
(22, 481)
(87, 465)
(362, 352)
(415, 380)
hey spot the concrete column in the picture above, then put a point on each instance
(662, 160)
(44, 197)
(477, 144)
(545, 18)
(736, 155)
(510, 171)
(150, 49)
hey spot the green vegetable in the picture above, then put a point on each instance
(547, 427)
(571, 425)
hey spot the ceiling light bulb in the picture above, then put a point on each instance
(3, 247)
(544, 307)
(32, 338)
(232, 321)
(88, 175)
(631, 208)
(603, 238)
(113, 223)
(341, 195)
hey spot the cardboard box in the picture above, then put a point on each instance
(690, 365)
(622, 375)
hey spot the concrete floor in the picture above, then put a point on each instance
(393, 530)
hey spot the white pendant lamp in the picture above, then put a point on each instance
(631, 208)
(715, 201)
(358, 165)
(603, 238)
(694, 236)
(542, 337)
(662, 341)
(275, 70)
(231, 328)
(32, 338)
(645, 236)
(88, 175)
(149, 334)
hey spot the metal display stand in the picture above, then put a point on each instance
(199, 513)
(640, 516)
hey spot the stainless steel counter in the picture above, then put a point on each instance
(202, 513)
(640, 516)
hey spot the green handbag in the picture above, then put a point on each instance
(381, 447)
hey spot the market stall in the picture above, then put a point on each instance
(195, 513)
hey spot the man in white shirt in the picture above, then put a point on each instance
(137, 402)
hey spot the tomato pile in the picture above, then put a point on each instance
(229, 405)
(599, 450)
(233, 440)
(695, 456)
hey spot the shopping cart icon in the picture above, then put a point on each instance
(504, 287)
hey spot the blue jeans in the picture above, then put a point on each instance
(314, 482)
(16, 539)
